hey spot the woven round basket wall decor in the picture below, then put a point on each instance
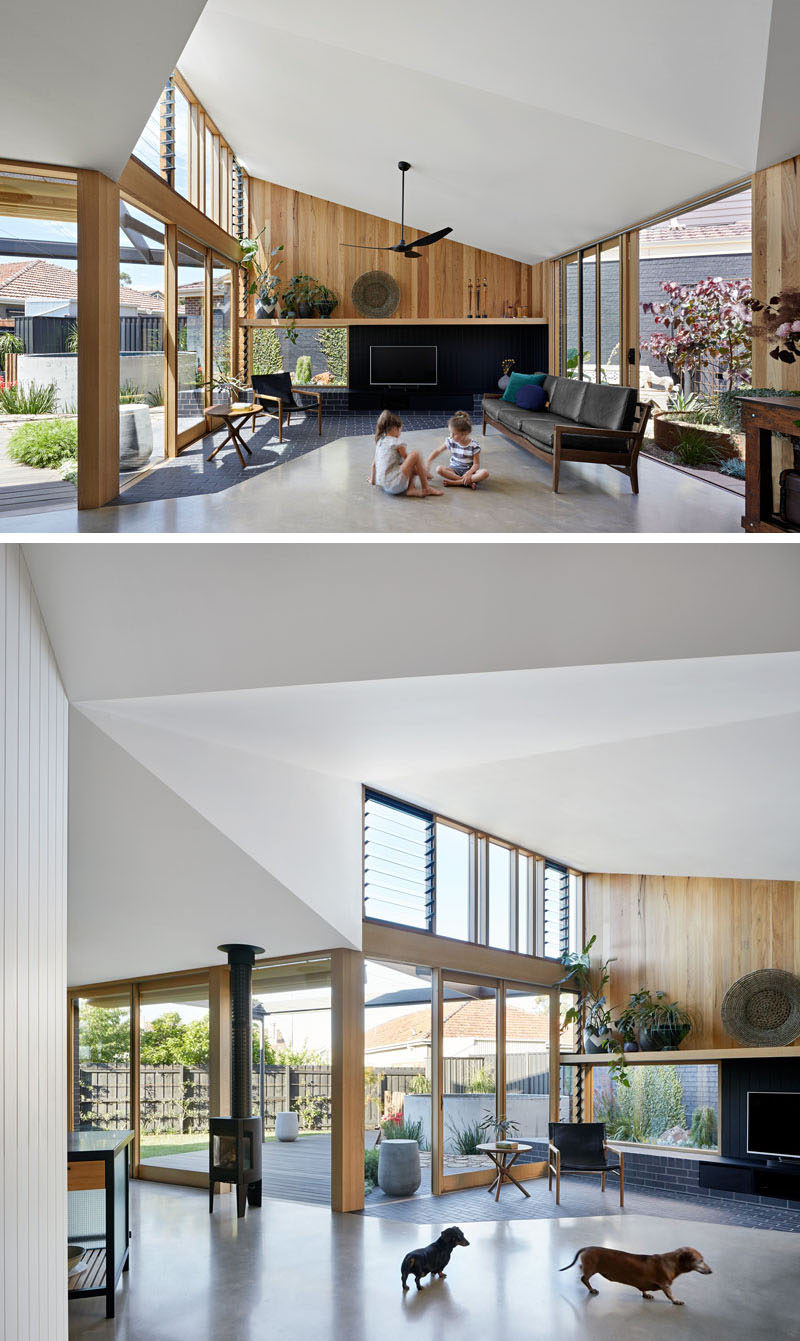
(762, 1009)
(375, 294)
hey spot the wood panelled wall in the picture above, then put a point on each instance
(33, 968)
(692, 937)
(776, 266)
(312, 229)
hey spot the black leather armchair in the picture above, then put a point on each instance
(277, 395)
(580, 1147)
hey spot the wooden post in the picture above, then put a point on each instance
(555, 1054)
(219, 1041)
(98, 339)
(347, 1054)
(437, 1083)
(134, 1086)
(171, 340)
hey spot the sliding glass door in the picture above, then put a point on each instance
(591, 314)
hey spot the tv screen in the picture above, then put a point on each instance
(398, 365)
(773, 1124)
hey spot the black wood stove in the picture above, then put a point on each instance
(234, 1154)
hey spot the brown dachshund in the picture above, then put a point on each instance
(656, 1271)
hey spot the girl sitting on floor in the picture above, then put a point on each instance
(394, 467)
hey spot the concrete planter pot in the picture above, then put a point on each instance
(135, 436)
(668, 430)
(399, 1172)
(287, 1126)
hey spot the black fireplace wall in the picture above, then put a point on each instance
(469, 358)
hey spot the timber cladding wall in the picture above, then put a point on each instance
(692, 937)
(312, 229)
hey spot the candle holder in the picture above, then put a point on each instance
(485, 297)
(478, 297)
(469, 290)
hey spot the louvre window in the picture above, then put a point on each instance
(556, 910)
(398, 862)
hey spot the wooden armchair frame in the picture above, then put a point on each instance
(284, 405)
(554, 1170)
(622, 453)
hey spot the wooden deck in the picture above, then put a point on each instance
(291, 1170)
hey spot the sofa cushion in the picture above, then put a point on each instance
(608, 406)
(532, 397)
(503, 413)
(515, 381)
(549, 385)
(567, 398)
(539, 425)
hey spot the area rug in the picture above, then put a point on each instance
(191, 472)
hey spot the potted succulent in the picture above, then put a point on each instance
(501, 1131)
(663, 1024)
(591, 1003)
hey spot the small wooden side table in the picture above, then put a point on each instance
(502, 1158)
(233, 416)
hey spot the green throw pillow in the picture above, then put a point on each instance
(516, 380)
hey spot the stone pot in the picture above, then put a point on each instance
(503, 381)
(595, 1040)
(304, 311)
(324, 310)
(265, 311)
(135, 436)
(399, 1171)
(630, 1045)
(287, 1126)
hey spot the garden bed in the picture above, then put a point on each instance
(669, 430)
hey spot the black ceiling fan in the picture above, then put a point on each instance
(405, 248)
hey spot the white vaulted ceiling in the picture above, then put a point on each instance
(629, 708)
(531, 127)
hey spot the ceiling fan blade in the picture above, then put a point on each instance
(367, 246)
(430, 237)
(412, 255)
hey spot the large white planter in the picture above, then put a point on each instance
(287, 1126)
(135, 436)
(399, 1171)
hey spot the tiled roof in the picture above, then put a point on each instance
(462, 1019)
(729, 232)
(40, 279)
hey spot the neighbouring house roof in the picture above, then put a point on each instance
(41, 279)
(462, 1019)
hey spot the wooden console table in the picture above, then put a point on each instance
(98, 1211)
(761, 417)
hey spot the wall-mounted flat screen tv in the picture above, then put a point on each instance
(403, 365)
(773, 1124)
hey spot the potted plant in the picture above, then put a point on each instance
(501, 1131)
(265, 282)
(591, 1003)
(663, 1024)
(627, 1022)
(325, 300)
(506, 365)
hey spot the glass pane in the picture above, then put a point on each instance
(148, 146)
(569, 362)
(525, 877)
(398, 856)
(212, 175)
(610, 336)
(556, 911)
(527, 1098)
(662, 1105)
(102, 1097)
(470, 1071)
(191, 336)
(181, 176)
(499, 896)
(173, 1076)
(397, 1064)
(221, 323)
(142, 360)
(588, 326)
(452, 882)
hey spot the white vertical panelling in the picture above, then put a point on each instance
(33, 931)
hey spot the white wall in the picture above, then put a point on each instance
(33, 937)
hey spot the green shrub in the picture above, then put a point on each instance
(696, 451)
(420, 1084)
(68, 470)
(265, 351)
(371, 1158)
(333, 343)
(402, 1130)
(734, 468)
(483, 1082)
(129, 393)
(703, 1133)
(32, 399)
(44, 445)
(302, 373)
(729, 405)
(647, 1107)
(466, 1140)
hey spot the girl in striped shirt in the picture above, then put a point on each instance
(465, 454)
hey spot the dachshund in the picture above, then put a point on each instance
(655, 1271)
(433, 1259)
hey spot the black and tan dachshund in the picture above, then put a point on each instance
(433, 1259)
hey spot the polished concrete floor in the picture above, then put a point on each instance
(289, 1271)
(327, 492)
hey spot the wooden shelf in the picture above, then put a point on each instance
(395, 321)
(681, 1055)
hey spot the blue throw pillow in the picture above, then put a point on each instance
(515, 381)
(531, 397)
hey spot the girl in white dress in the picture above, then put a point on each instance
(395, 468)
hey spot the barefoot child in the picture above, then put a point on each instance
(395, 468)
(465, 454)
